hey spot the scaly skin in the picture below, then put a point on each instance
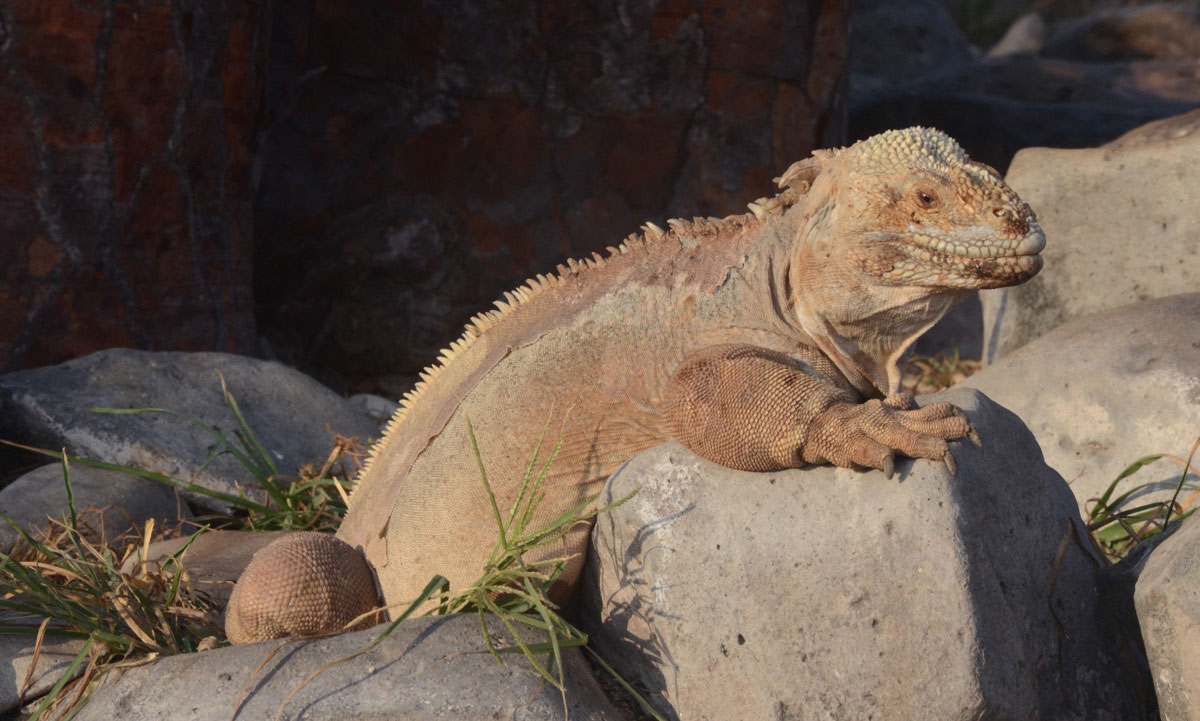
(763, 341)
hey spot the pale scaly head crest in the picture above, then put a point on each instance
(928, 216)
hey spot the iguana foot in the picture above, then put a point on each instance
(868, 435)
(300, 585)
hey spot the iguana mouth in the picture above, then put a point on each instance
(974, 260)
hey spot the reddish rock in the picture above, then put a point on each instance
(125, 202)
(419, 160)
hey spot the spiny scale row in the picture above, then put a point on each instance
(484, 320)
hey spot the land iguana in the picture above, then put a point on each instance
(761, 341)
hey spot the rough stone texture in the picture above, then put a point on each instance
(214, 559)
(429, 668)
(17, 652)
(893, 43)
(121, 503)
(1104, 390)
(1166, 130)
(830, 593)
(288, 411)
(1000, 106)
(1161, 31)
(1121, 225)
(422, 158)
(125, 200)
(1025, 35)
(377, 408)
(1168, 607)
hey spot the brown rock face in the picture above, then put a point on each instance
(125, 203)
(419, 159)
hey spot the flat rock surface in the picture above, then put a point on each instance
(1105, 390)
(1122, 224)
(429, 668)
(288, 411)
(17, 654)
(1168, 607)
(826, 593)
(108, 503)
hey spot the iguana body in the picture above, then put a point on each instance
(761, 341)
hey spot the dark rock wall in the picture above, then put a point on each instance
(126, 135)
(417, 159)
(387, 168)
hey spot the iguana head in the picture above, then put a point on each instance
(909, 208)
(894, 230)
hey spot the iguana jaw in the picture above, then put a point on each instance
(968, 258)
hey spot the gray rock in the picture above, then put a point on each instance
(53, 661)
(288, 411)
(1025, 36)
(377, 408)
(1122, 224)
(827, 593)
(893, 43)
(108, 503)
(1168, 607)
(1160, 131)
(430, 668)
(1102, 391)
(998, 107)
(214, 559)
(1162, 31)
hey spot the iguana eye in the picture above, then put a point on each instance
(925, 198)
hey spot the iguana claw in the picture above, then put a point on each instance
(974, 436)
(889, 466)
(950, 464)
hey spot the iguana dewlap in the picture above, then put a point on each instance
(760, 341)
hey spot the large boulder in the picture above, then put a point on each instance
(109, 504)
(1168, 608)
(1121, 224)
(292, 415)
(429, 668)
(1104, 390)
(832, 593)
(1159, 31)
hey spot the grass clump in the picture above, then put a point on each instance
(1118, 527)
(68, 582)
(61, 584)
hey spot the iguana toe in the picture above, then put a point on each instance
(300, 585)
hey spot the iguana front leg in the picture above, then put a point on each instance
(754, 409)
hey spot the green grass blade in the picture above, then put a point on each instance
(487, 487)
(62, 681)
(247, 437)
(1187, 466)
(236, 501)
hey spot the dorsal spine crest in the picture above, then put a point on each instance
(651, 235)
